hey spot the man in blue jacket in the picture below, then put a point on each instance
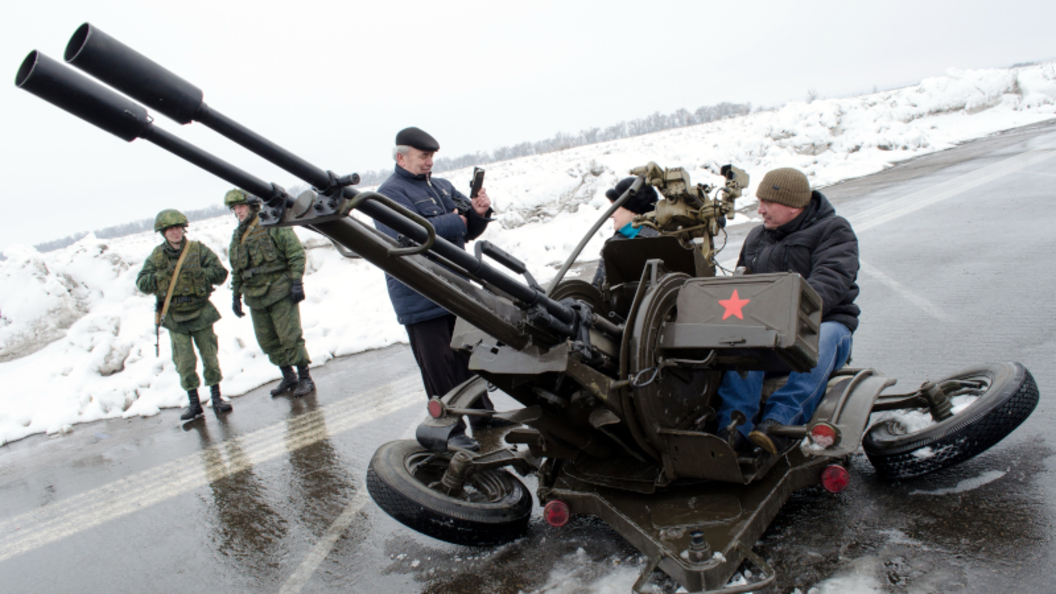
(429, 326)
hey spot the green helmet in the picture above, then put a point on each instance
(169, 218)
(234, 197)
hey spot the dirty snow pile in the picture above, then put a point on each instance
(77, 339)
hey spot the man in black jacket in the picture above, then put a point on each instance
(429, 327)
(800, 233)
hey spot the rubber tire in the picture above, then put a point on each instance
(412, 503)
(1007, 402)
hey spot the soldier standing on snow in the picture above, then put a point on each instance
(182, 273)
(267, 265)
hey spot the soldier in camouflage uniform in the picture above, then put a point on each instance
(190, 315)
(267, 265)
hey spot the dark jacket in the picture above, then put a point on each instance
(433, 198)
(821, 247)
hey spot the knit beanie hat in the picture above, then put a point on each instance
(641, 203)
(785, 186)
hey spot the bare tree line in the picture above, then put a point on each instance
(656, 122)
(561, 141)
(129, 228)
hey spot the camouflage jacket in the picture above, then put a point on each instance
(189, 309)
(264, 262)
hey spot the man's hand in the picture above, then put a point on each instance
(297, 291)
(482, 203)
(465, 221)
(236, 305)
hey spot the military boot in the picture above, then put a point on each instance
(289, 381)
(219, 406)
(195, 409)
(305, 385)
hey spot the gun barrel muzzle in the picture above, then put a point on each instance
(63, 87)
(132, 73)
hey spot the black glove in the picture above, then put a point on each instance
(297, 291)
(236, 305)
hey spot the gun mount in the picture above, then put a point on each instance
(692, 212)
(618, 384)
(603, 387)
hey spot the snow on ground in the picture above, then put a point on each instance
(77, 339)
(966, 485)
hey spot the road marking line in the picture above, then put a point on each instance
(914, 298)
(322, 549)
(76, 514)
(891, 210)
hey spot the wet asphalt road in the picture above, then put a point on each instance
(958, 269)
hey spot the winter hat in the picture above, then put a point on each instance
(417, 138)
(641, 203)
(785, 186)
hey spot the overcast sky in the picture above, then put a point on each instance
(334, 81)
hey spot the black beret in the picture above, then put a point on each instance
(417, 138)
(641, 203)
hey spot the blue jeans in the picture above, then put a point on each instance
(793, 403)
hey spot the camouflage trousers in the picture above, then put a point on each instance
(187, 364)
(279, 334)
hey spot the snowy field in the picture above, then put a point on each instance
(77, 339)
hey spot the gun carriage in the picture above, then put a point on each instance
(617, 385)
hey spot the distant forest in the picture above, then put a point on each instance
(560, 141)
(200, 214)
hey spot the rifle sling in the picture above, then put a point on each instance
(249, 230)
(172, 284)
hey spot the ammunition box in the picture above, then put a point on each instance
(765, 322)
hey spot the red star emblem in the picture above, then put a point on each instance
(733, 306)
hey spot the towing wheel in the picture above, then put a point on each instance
(492, 508)
(989, 403)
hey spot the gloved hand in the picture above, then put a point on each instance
(236, 305)
(297, 291)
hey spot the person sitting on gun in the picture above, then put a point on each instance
(641, 203)
(267, 265)
(458, 220)
(800, 233)
(181, 274)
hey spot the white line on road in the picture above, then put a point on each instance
(322, 549)
(64, 518)
(893, 209)
(914, 298)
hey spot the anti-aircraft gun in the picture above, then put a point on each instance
(617, 385)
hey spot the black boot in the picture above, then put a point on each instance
(195, 409)
(289, 381)
(219, 406)
(773, 444)
(305, 385)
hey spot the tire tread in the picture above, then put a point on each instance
(962, 441)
